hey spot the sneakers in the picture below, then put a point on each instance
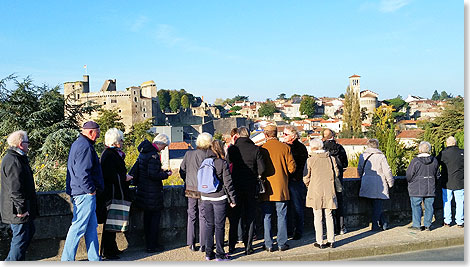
(416, 228)
(224, 257)
(192, 248)
(210, 257)
(446, 225)
(460, 225)
(317, 245)
(329, 245)
(284, 248)
(268, 249)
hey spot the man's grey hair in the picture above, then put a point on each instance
(293, 130)
(243, 131)
(204, 141)
(316, 144)
(162, 139)
(113, 136)
(373, 143)
(424, 147)
(16, 138)
(451, 141)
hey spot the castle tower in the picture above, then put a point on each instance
(354, 84)
(78, 87)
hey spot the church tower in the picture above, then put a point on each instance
(354, 84)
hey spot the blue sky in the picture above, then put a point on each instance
(218, 49)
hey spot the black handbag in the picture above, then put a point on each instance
(338, 185)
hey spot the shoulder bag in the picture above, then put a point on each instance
(118, 213)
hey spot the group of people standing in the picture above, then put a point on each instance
(291, 180)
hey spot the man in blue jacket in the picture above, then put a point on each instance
(84, 180)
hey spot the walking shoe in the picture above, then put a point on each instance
(210, 257)
(427, 228)
(416, 228)
(268, 249)
(224, 257)
(329, 245)
(202, 249)
(192, 248)
(284, 248)
(317, 245)
(446, 225)
(460, 225)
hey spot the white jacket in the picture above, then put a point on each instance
(377, 177)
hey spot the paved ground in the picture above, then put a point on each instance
(354, 244)
(456, 253)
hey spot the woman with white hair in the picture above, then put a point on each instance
(148, 176)
(321, 196)
(422, 175)
(376, 179)
(188, 171)
(115, 181)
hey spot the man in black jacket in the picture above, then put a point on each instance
(297, 188)
(339, 154)
(247, 164)
(17, 195)
(452, 161)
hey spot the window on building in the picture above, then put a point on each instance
(113, 101)
(104, 103)
(119, 111)
(135, 99)
(78, 96)
(145, 115)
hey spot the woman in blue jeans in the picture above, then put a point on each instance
(215, 204)
(422, 175)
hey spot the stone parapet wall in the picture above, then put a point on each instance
(55, 218)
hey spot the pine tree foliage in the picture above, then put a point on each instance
(307, 106)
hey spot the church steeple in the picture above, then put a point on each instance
(354, 84)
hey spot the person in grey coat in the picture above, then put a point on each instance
(376, 179)
(188, 171)
(422, 175)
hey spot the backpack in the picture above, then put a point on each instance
(207, 181)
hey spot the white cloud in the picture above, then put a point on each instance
(387, 6)
(139, 23)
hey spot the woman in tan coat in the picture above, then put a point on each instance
(321, 171)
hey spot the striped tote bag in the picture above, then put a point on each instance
(118, 213)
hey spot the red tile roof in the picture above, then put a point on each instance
(354, 76)
(352, 141)
(411, 134)
(179, 145)
(407, 122)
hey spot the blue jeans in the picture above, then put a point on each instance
(298, 194)
(417, 211)
(281, 210)
(84, 223)
(22, 235)
(459, 205)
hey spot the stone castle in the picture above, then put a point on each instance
(135, 104)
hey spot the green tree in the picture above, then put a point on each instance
(267, 109)
(307, 106)
(164, 99)
(352, 124)
(444, 95)
(435, 95)
(185, 101)
(107, 119)
(281, 96)
(138, 133)
(175, 102)
(236, 108)
(341, 96)
(218, 136)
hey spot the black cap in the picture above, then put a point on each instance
(90, 125)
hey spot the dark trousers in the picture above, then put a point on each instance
(378, 218)
(195, 207)
(108, 243)
(296, 207)
(214, 218)
(22, 235)
(245, 210)
(338, 216)
(151, 227)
